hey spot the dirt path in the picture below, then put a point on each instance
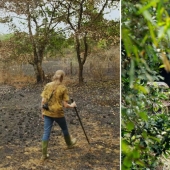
(21, 129)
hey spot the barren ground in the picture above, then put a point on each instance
(21, 129)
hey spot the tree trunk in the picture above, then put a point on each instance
(38, 50)
(81, 79)
(39, 73)
(79, 60)
(37, 64)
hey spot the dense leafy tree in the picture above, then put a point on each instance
(145, 135)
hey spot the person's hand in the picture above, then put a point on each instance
(42, 116)
(73, 104)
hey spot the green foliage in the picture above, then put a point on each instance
(5, 36)
(102, 43)
(106, 35)
(57, 42)
(145, 122)
(22, 43)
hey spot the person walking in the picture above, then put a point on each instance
(56, 95)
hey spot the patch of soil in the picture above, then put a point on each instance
(21, 129)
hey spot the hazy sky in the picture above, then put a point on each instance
(113, 14)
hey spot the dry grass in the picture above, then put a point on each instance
(104, 64)
(100, 65)
(18, 80)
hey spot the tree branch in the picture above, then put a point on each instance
(30, 31)
(80, 14)
(101, 11)
(68, 17)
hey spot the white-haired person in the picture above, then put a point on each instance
(56, 95)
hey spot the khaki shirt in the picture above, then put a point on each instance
(56, 102)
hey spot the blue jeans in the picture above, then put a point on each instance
(48, 123)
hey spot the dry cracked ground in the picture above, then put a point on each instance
(21, 129)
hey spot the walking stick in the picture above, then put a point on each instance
(80, 122)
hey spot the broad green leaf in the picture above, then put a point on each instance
(148, 16)
(125, 146)
(161, 32)
(130, 125)
(128, 160)
(136, 153)
(154, 138)
(162, 66)
(132, 70)
(143, 115)
(152, 3)
(141, 88)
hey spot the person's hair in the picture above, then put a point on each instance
(59, 75)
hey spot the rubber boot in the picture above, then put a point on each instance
(44, 150)
(70, 142)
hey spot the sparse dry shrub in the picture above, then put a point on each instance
(97, 70)
(114, 60)
(100, 65)
(5, 78)
(69, 80)
(104, 64)
(14, 77)
(23, 81)
(18, 80)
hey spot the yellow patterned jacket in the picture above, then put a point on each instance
(56, 102)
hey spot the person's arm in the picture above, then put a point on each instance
(44, 96)
(66, 99)
(42, 102)
(66, 105)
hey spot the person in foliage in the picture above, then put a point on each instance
(56, 95)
